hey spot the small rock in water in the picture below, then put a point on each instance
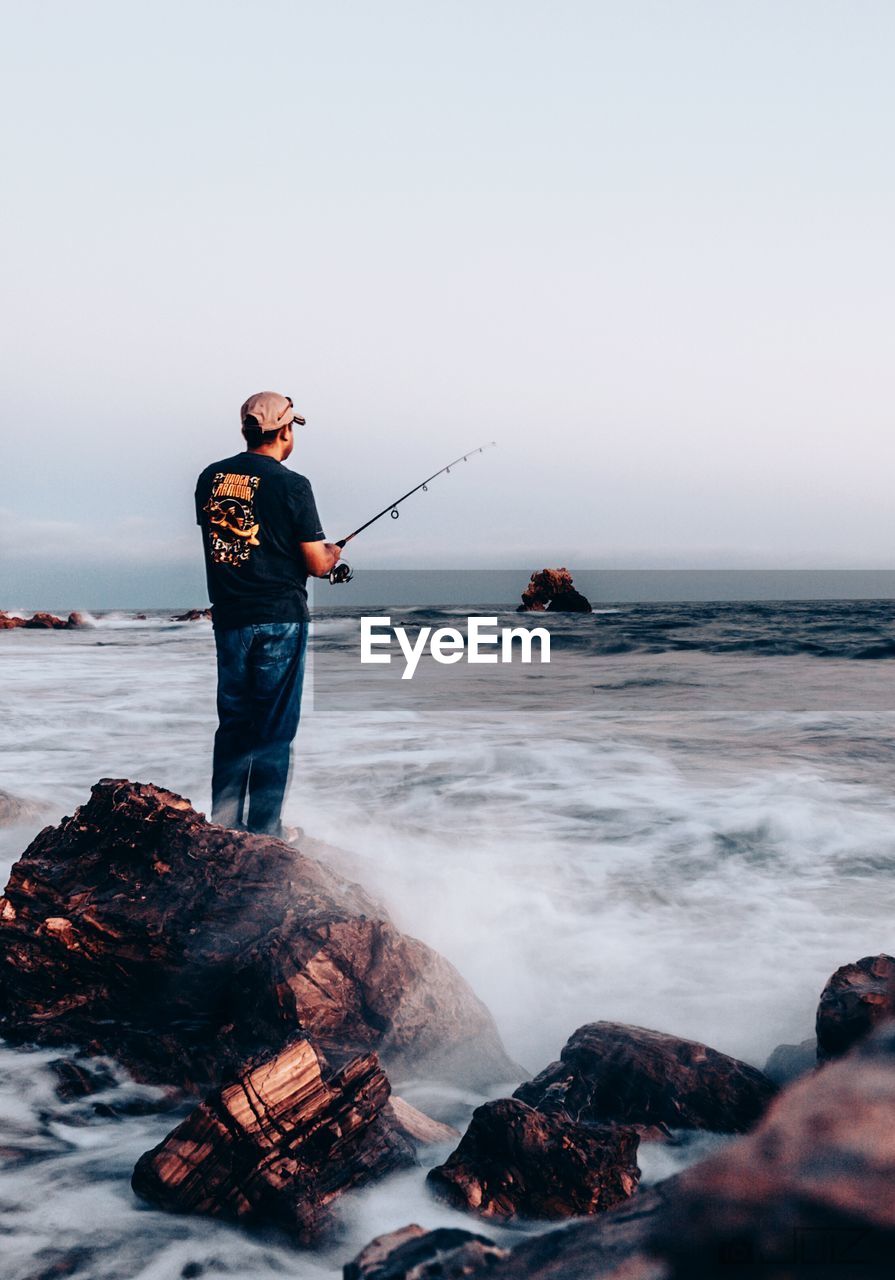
(553, 589)
(279, 1145)
(609, 1071)
(856, 998)
(10, 622)
(514, 1161)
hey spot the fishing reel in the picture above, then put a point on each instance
(342, 572)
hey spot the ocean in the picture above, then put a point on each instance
(685, 821)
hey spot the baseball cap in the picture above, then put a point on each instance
(270, 410)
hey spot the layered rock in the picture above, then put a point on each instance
(609, 1071)
(138, 930)
(411, 1253)
(553, 589)
(514, 1161)
(856, 998)
(280, 1145)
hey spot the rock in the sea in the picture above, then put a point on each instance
(611, 1072)
(447, 1253)
(514, 1161)
(76, 622)
(10, 621)
(138, 930)
(192, 615)
(279, 1145)
(553, 589)
(44, 622)
(856, 998)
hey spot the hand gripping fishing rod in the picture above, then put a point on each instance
(342, 571)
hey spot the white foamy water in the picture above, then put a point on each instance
(687, 840)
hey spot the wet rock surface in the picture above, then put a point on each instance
(138, 930)
(856, 998)
(611, 1072)
(553, 589)
(514, 1161)
(448, 1253)
(280, 1144)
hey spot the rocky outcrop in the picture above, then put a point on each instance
(42, 622)
(856, 998)
(411, 1253)
(553, 589)
(138, 930)
(279, 1145)
(192, 615)
(514, 1161)
(610, 1072)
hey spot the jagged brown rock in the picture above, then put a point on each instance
(514, 1161)
(447, 1253)
(280, 1144)
(138, 930)
(855, 999)
(553, 589)
(611, 1072)
(10, 621)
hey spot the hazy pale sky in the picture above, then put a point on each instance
(646, 246)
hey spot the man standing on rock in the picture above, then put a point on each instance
(262, 537)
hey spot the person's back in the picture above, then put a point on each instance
(262, 537)
(254, 514)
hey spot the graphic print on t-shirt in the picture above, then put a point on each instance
(232, 528)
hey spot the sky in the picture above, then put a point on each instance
(645, 246)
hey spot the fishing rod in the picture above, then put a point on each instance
(342, 572)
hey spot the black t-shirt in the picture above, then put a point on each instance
(254, 512)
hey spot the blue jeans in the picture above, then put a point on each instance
(260, 673)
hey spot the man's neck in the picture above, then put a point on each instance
(267, 451)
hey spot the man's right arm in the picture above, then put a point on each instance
(320, 557)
